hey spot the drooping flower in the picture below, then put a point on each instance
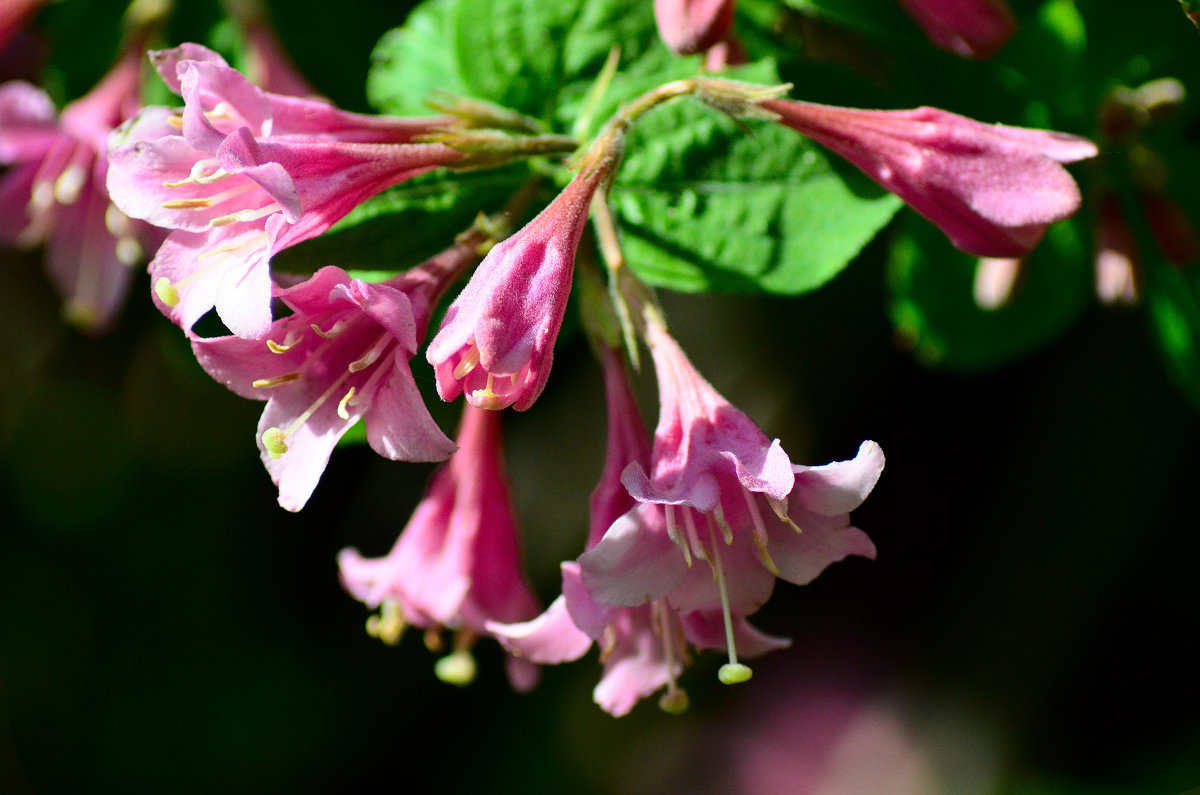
(54, 192)
(991, 188)
(970, 28)
(340, 357)
(496, 342)
(243, 174)
(457, 562)
(719, 491)
(691, 26)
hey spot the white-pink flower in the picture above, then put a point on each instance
(457, 563)
(242, 174)
(718, 491)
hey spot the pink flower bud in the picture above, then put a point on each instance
(970, 28)
(496, 342)
(991, 188)
(691, 26)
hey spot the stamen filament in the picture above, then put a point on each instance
(389, 625)
(372, 355)
(345, 401)
(337, 328)
(243, 216)
(759, 535)
(673, 534)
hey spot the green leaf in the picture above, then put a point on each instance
(703, 205)
(934, 310)
(407, 224)
(528, 55)
(410, 62)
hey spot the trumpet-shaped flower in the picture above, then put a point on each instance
(970, 28)
(341, 356)
(242, 174)
(720, 491)
(457, 563)
(496, 342)
(54, 192)
(992, 189)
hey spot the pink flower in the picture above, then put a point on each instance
(712, 474)
(691, 26)
(243, 174)
(992, 189)
(457, 562)
(55, 192)
(340, 357)
(970, 28)
(496, 342)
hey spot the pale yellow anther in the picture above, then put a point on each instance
(175, 121)
(69, 185)
(187, 204)
(129, 251)
(760, 543)
(278, 380)
(116, 221)
(334, 330)
(344, 403)
(675, 701)
(486, 398)
(275, 442)
(389, 625)
(166, 291)
(467, 363)
(275, 347)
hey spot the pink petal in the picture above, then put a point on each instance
(841, 486)
(549, 639)
(635, 562)
(801, 557)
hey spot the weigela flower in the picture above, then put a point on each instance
(719, 490)
(457, 562)
(691, 26)
(341, 356)
(54, 192)
(992, 189)
(641, 647)
(970, 28)
(243, 174)
(496, 342)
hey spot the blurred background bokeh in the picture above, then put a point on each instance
(1029, 626)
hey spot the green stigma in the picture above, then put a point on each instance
(734, 673)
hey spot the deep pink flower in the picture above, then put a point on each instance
(496, 342)
(340, 357)
(54, 192)
(243, 174)
(970, 28)
(720, 491)
(691, 26)
(457, 563)
(992, 189)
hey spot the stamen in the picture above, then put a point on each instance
(187, 204)
(433, 640)
(732, 672)
(389, 625)
(726, 531)
(279, 380)
(273, 440)
(486, 398)
(117, 222)
(675, 701)
(693, 536)
(345, 401)
(175, 121)
(467, 363)
(197, 176)
(673, 534)
(334, 330)
(759, 535)
(372, 355)
(41, 197)
(290, 341)
(245, 215)
(780, 508)
(69, 184)
(166, 291)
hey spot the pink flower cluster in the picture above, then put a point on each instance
(689, 529)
